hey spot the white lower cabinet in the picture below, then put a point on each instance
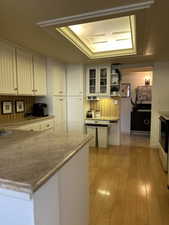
(59, 111)
(91, 130)
(62, 200)
(75, 114)
(38, 126)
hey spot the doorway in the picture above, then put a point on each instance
(135, 109)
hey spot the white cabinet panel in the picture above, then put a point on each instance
(75, 80)
(98, 80)
(56, 78)
(59, 111)
(75, 114)
(24, 72)
(39, 68)
(7, 69)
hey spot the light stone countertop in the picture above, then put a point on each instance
(104, 118)
(28, 159)
(27, 120)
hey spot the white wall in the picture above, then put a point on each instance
(135, 78)
(160, 98)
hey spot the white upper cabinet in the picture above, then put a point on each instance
(8, 83)
(24, 72)
(98, 80)
(91, 81)
(39, 72)
(75, 80)
(56, 76)
(104, 80)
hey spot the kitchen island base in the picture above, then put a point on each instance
(62, 200)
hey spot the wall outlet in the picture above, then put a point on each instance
(116, 102)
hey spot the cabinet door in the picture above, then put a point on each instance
(75, 114)
(39, 69)
(92, 81)
(24, 73)
(60, 113)
(140, 121)
(104, 80)
(56, 78)
(7, 69)
(75, 80)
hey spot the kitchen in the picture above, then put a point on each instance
(65, 118)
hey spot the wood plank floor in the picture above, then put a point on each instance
(127, 187)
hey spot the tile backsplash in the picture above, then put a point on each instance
(28, 102)
(107, 107)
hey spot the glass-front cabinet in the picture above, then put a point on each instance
(104, 80)
(98, 80)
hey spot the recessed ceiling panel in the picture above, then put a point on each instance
(106, 38)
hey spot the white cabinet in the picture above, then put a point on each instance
(8, 83)
(37, 126)
(104, 80)
(98, 80)
(59, 111)
(91, 81)
(75, 80)
(24, 72)
(75, 114)
(56, 78)
(39, 72)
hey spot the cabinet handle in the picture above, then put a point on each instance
(60, 91)
(15, 89)
(61, 99)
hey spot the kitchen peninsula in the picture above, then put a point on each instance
(43, 178)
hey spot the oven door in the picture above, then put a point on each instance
(164, 134)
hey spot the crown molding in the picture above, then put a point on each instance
(96, 14)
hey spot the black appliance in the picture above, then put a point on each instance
(40, 110)
(141, 117)
(141, 120)
(164, 133)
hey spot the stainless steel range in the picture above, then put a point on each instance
(164, 141)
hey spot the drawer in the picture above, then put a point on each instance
(31, 127)
(47, 125)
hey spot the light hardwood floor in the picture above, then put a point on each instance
(127, 187)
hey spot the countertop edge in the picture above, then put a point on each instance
(30, 189)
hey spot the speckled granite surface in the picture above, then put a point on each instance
(28, 159)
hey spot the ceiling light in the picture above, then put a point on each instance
(95, 39)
